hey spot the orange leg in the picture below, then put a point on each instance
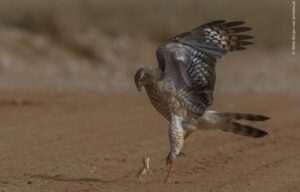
(171, 163)
(186, 135)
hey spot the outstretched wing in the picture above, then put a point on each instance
(199, 50)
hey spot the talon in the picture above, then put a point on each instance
(166, 181)
(181, 154)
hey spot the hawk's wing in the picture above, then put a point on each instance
(199, 50)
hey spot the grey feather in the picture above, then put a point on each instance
(211, 50)
(202, 47)
(185, 75)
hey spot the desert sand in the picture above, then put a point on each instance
(86, 141)
(71, 119)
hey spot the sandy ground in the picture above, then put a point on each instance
(90, 142)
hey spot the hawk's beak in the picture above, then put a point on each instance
(139, 88)
(139, 79)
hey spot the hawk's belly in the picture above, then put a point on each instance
(164, 99)
(159, 99)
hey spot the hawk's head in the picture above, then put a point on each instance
(139, 78)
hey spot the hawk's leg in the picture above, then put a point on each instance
(176, 139)
(187, 134)
(171, 163)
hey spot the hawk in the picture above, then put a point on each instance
(181, 88)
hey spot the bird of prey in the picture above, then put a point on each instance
(181, 87)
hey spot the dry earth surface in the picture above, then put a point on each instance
(85, 141)
(70, 120)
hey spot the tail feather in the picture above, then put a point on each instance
(244, 130)
(243, 116)
(227, 122)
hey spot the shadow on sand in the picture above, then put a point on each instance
(70, 179)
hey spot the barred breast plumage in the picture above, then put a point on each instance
(158, 98)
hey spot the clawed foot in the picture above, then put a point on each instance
(181, 154)
(170, 163)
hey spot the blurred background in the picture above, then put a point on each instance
(96, 45)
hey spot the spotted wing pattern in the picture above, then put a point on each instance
(203, 46)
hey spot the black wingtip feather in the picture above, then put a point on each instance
(237, 48)
(232, 24)
(244, 37)
(246, 43)
(240, 29)
(260, 133)
(212, 23)
(264, 118)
